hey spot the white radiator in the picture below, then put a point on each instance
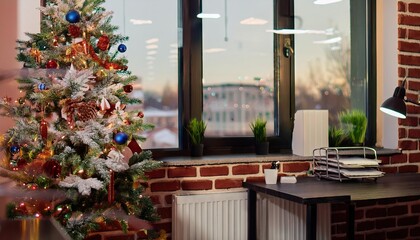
(223, 216)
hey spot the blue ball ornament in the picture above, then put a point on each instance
(73, 16)
(122, 48)
(14, 149)
(42, 86)
(121, 138)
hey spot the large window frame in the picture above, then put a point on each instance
(191, 94)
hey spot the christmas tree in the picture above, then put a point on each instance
(72, 132)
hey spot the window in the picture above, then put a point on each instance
(257, 58)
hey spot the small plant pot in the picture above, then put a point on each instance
(270, 176)
(261, 148)
(197, 150)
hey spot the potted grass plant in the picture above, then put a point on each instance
(196, 129)
(354, 124)
(259, 129)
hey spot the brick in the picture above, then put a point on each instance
(339, 237)
(415, 208)
(411, 108)
(94, 236)
(408, 46)
(366, 203)
(245, 169)
(414, 133)
(121, 236)
(408, 169)
(365, 225)
(402, 133)
(414, 7)
(401, 73)
(338, 207)
(158, 173)
(358, 237)
(387, 201)
(197, 185)
(413, 34)
(164, 212)
(359, 214)
(384, 159)
(155, 199)
(166, 226)
(408, 20)
(398, 210)
(414, 157)
(402, 32)
(339, 217)
(296, 167)
(397, 234)
(375, 235)
(415, 232)
(389, 169)
(341, 228)
(165, 186)
(228, 183)
(376, 212)
(255, 179)
(400, 158)
(414, 72)
(214, 171)
(408, 60)
(182, 172)
(408, 221)
(402, 7)
(168, 199)
(407, 144)
(265, 166)
(385, 223)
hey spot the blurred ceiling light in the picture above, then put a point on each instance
(214, 50)
(208, 15)
(253, 21)
(140, 21)
(329, 41)
(324, 2)
(174, 51)
(152, 40)
(174, 45)
(151, 52)
(152, 46)
(173, 56)
(150, 58)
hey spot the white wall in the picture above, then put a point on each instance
(387, 69)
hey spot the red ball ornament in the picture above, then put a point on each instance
(128, 88)
(52, 64)
(140, 114)
(74, 31)
(52, 168)
(103, 43)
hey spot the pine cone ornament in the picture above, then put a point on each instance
(86, 111)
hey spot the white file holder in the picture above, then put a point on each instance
(310, 131)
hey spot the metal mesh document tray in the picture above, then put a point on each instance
(345, 163)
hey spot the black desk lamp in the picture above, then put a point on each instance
(395, 105)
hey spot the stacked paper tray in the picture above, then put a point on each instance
(328, 163)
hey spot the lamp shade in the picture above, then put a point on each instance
(395, 105)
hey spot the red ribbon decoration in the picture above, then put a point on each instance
(43, 130)
(134, 146)
(111, 193)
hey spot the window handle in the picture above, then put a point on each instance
(287, 48)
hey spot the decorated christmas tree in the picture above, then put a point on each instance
(73, 134)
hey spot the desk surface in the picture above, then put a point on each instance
(309, 190)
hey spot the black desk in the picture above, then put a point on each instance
(311, 191)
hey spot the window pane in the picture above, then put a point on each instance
(152, 52)
(326, 75)
(237, 66)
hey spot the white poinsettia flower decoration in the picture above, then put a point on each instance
(83, 185)
(115, 161)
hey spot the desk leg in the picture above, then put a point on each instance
(350, 221)
(311, 212)
(252, 215)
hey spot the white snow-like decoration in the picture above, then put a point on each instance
(84, 186)
(115, 161)
(77, 82)
(105, 104)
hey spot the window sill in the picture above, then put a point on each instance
(252, 158)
